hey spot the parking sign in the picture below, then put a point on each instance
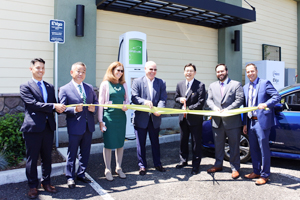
(57, 31)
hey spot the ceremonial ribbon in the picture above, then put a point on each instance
(154, 109)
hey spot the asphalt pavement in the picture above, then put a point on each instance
(173, 184)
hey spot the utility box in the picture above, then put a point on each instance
(270, 70)
(132, 54)
(290, 76)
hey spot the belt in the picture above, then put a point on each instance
(255, 118)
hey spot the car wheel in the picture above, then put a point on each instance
(244, 149)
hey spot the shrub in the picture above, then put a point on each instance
(11, 139)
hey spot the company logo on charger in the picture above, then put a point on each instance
(275, 74)
(136, 49)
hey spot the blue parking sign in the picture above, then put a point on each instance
(57, 31)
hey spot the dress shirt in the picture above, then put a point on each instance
(45, 94)
(150, 86)
(254, 103)
(190, 85)
(77, 88)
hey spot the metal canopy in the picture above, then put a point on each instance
(209, 13)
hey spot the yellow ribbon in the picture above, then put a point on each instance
(154, 109)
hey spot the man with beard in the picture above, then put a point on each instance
(226, 94)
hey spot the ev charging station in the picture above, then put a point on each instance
(132, 54)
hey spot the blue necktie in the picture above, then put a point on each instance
(40, 86)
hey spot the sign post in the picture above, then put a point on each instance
(56, 35)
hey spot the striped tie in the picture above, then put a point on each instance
(82, 94)
(250, 99)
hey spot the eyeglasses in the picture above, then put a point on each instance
(151, 69)
(119, 70)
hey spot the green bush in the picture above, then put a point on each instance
(11, 139)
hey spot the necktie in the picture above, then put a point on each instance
(82, 94)
(222, 88)
(187, 86)
(250, 99)
(40, 86)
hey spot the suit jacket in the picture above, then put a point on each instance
(140, 93)
(195, 100)
(36, 110)
(233, 98)
(265, 93)
(76, 122)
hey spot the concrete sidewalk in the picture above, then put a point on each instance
(18, 175)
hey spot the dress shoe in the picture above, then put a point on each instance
(235, 174)
(252, 176)
(160, 168)
(195, 170)
(214, 169)
(71, 183)
(120, 173)
(49, 188)
(181, 164)
(142, 171)
(84, 179)
(262, 181)
(108, 175)
(33, 193)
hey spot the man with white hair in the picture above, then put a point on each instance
(151, 91)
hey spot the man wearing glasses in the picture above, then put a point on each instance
(190, 94)
(151, 91)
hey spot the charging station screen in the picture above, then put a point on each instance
(135, 52)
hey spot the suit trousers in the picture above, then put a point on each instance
(84, 142)
(38, 144)
(234, 136)
(141, 136)
(196, 136)
(259, 149)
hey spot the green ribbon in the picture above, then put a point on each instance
(154, 109)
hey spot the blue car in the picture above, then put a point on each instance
(284, 137)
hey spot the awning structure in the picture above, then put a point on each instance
(209, 13)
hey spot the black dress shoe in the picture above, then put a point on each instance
(84, 179)
(142, 171)
(181, 165)
(195, 170)
(71, 183)
(160, 168)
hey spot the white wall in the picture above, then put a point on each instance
(24, 35)
(171, 45)
(276, 24)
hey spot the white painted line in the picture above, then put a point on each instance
(98, 188)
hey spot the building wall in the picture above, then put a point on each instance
(276, 24)
(171, 45)
(24, 34)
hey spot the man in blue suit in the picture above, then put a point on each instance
(80, 122)
(151, 91)
(258, 123)
(38, 126)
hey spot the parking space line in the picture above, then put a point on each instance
(98, 188)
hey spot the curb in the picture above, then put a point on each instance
(18, 175)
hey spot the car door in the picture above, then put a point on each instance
(285, 136)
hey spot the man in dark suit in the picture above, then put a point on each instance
(80, 122)
(258, 123)
(226, 94)
(151, 91)
(190, 94)
(38, 126)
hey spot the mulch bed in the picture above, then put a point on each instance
(56, 157)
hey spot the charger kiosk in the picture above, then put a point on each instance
(132, 54)
(270, 70)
